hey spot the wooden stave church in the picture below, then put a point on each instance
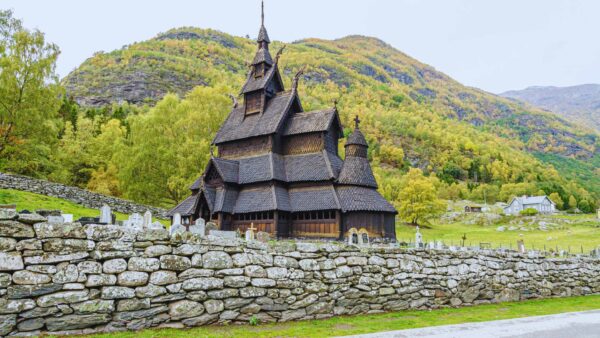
(278, 167)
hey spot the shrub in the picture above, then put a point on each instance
(528, 212)
(254, 321)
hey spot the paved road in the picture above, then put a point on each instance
(566, 325)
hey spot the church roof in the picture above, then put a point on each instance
(258, 83)
(313, 198)
(225, 200)
(353, 198)
(228, 170)
(262, 198)
(238, 126)
(357, 137)
(312, 121)
(262, 35)
(186, 207)
(262, 55)
(357, 171)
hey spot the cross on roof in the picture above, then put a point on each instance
(356, 122)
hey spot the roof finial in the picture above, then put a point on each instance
(297, 77)
(356, 122)
(335, 104)
(262, 13)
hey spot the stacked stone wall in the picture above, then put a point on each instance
(76, 195)
(70, 278)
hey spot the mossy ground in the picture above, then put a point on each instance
(348, 325)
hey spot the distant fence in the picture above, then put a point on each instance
(76, 195)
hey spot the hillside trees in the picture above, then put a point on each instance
(29, 98)
(555, 197)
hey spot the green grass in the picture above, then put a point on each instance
(348, 325)
(583, 232)
(30, 201)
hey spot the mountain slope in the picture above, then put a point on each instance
(444, 127)
(579, 104)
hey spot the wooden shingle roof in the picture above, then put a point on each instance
(186, 207)
(353, 198)
(313, 198)
(237, 126)
(312, 121)
(357, 137)
(357, 171)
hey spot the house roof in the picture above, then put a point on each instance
(312, 121)
(238, 126)
(313, 198)
(357, 171)
(531, 199)
(353, 198)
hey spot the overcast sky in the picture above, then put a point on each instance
(494, 45)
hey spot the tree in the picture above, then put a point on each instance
(572, 202)
(418, 198)
(555, 197)
(29, 97)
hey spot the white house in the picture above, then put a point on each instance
(542, 204)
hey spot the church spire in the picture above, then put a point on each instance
(263, 37)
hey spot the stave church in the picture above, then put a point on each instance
(277, 167)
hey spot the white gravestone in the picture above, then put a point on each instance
(418, 238)
(521, 246)
(176, 224)
(199, 227)
(105, 214)
(68, 218)
(135, 221)
(250, 232)
(56, 219)
(156, 225)
(147, 219)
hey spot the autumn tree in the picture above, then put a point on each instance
(572, 202)
(29, 97)
(418, 198)
(555, 197)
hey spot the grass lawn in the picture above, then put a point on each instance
(347, 325)
(32, 202)
(585, 231)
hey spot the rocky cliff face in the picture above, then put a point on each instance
(580, 104)
(99, 278)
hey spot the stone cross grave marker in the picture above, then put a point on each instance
(250, 232)
(199, 227)
(105, 215)
(147, 219)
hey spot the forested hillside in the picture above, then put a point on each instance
(126, 138)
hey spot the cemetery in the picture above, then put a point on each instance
(65, 276)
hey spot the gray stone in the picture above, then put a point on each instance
(67, 273)
(117, 265)
(11, 261)
(163, 277)
(157, 250)
(5, 279)
(206, 283)
(252, 291)
(194, 273)
(65, 297)
(185, 309)
(100, 280)
(28, 277)
(277, 273)
(175, 263)
(117, 292)
(217, 260)
(16, 229)
(7, 324)
(133, 304)
(292, 315)
(73, 322)
(145, 313)
(255, 271)
(236, 281)
(153, 235)
(309, 265)
(355, 260)
(31, 324)
(189, 249)
(39, 312)
(132, 278)
(67, 230)
(7, 244)
(8, 306)
(25, 291)
(310, 299)
(201, 320)
(150, 291)
(94, 306)
(263, 282)
(214, 306)
(307, 247)
(89, 267)
(8, 213)
(51, 258)
(285, 262)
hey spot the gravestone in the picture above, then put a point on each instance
(250, 232)
(56, 219)
(68, 218)
(418, 238)
(521, 246)
(176, 219)
(224, 234)
(199, 227)
(263, 237)
(211, 226)
(147, 219)
(439, 245)
(135, 221)
(363, 237)
(352, 236)
(105, 215)
(431, 245)
(176, 228)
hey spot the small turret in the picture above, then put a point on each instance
(356, 169)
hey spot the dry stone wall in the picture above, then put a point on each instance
(71, 278)
(76, 195)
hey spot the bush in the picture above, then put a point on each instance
(528, 212)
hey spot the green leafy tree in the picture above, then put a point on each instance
(29, 97)
(555, 197)
(572, 202)
(418, 198)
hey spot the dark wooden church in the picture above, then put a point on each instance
(278, 167)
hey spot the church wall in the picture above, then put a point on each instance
(75, 279)
(376, 223)
(248, 147)
(303, 144)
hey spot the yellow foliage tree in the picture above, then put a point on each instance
(418, 198)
